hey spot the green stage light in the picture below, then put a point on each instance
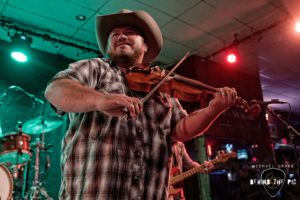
(20, 47)
(19, 56)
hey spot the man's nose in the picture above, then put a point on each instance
(122, 36)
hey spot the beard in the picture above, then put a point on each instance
(125, 58)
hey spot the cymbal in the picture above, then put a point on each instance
(42, 124)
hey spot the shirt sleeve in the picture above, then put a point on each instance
(86, 72)
(177, 112)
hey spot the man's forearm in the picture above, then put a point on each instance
(198, 122)
(195, 124)
(70, 96)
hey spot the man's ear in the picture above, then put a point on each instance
(145, 47)
(108, 49)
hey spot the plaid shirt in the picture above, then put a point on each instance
(111, 158)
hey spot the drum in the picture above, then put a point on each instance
(6, 183)
(14, 148)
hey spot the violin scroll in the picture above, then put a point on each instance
(254, 110)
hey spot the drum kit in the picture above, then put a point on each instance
(16, 150)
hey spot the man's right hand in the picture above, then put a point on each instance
(119, 105)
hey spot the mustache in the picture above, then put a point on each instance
(118, 43)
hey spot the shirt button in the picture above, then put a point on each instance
(136, 178)
(140, 153)
(140, 130)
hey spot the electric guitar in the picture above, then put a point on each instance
(221, 157)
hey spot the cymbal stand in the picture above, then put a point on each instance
(37, 190)
(1, 113)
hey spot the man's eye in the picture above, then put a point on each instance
(130, 33)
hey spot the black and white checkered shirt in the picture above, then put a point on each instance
(111, 158)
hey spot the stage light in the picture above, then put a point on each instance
(20, 47)
(229, 147)
(284, 141)
(232, 55)
(21, 39)
(19, 56)
(81, 17)
(231, 58)
(297, 27)
(209, 153)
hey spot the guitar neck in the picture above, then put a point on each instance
(190, 172)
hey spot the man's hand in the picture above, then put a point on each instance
(119, 105)
(223, 99)
(208, 166)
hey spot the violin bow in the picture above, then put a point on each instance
(155, 88)
(145, 98)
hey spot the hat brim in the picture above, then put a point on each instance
(140, 20)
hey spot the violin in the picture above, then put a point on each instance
(177, 86)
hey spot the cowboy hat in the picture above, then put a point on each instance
(140, 20)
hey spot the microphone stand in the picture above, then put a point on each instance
(292, 132)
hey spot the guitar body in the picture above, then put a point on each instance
(176, 172)
(174, 191)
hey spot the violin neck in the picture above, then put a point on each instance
(195, 83)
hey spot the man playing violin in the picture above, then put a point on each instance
(104, 155)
